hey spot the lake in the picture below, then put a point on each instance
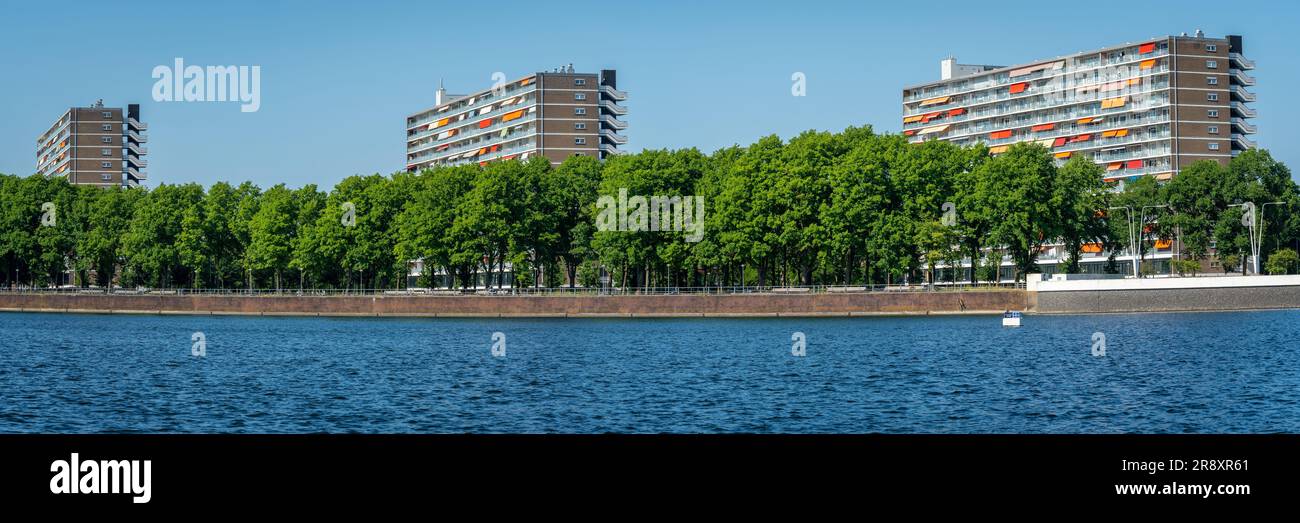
(1235, 372)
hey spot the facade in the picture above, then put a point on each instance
(555, 114)
(96, 145)
(1146, 108)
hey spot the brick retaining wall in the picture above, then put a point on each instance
(876, 303)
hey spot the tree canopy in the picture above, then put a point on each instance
(847, 208)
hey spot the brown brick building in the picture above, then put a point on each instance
(95, 145)
(1150, 107)
(556, 114)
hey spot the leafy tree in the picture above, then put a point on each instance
(1079, 199)
(1283, 261)
(271, 233)
(1017, 187)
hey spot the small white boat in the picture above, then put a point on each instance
(1011, 319)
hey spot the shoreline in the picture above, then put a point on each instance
(852, 314)
(1055, 296)
(982, 302)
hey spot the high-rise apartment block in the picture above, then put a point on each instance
(556, 114)
(95, 145)
(1146, 108)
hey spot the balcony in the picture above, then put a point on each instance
(1240, 141)
(139, 138)
(474, 140)
(1136, 114)
(949, 87)
(136, 124)
(1244, 126)
(139, 151)
(431, 116)
(613, 93)
(467, 124)
(613, 108)
(134, 173)
(138, 162)
(613, 123)
(610, 149)
(1240, 94)
(1239, 108)
(613, 137)
(1155, 81)
(1241, 62)
(1240, 77)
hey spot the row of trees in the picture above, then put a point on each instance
(823, 208)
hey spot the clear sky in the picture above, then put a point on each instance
(339, 78)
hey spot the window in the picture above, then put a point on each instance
(106, 165)
(579, 125)
(579, 96)
(1214, 146)
(106, 139)
(1212, 80)
(108, 114)
(106, 177)
(1213, 129)
(579, 110)
(579, 81)
(1212, 48)
(1213, 97)
(1212, 113)
(579, 141)
(106, 152)
(107, 127)
(1211, 64)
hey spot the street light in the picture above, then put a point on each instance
(1132, 248)
(1256, 230)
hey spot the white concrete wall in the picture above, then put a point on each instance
(1132, 284)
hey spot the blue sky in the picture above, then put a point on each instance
(338, 79)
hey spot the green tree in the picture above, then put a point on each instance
(1079, 199)
(1283, 261)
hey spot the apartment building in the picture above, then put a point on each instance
(1148, 108)
(96, 145)
(555, 114)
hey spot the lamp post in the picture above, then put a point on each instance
(1132, 248)
(1250, 218)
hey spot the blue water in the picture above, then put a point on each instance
(1200, 372)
